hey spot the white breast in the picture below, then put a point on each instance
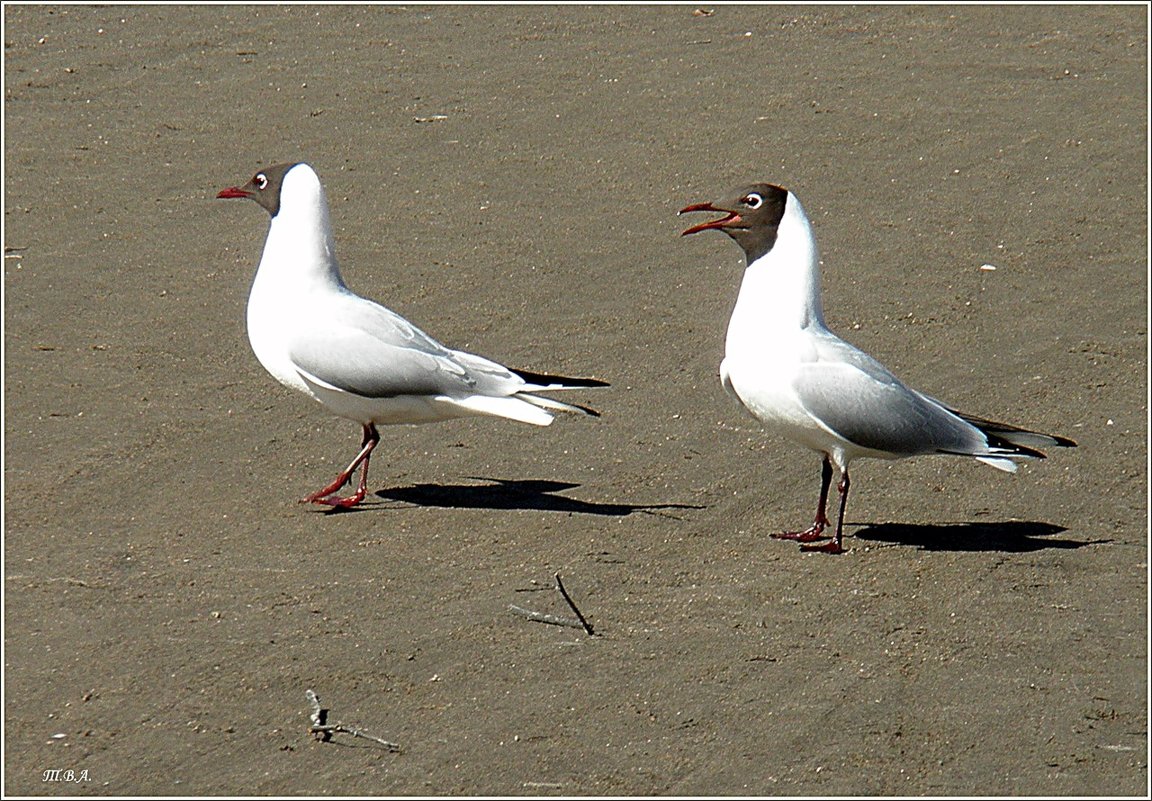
(298, 269)
(771, 329)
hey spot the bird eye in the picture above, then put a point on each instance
(752, 200)
(261, 180)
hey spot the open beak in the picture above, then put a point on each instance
(232, 191)
(730, 218)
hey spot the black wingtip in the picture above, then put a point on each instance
(588, 410)
(546, 379)
(1003, 435)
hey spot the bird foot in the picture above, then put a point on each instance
(328, 496)
(816, 532)
(832, 546)
(334, 500)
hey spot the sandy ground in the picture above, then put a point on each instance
(507, 178)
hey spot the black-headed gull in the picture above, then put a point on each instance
(801, 380)
(357, 358)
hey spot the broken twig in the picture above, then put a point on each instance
(540, 617)
(323, 730)
(571, 603)
(579, 622)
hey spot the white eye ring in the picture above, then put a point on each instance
(261, 181)
(752, 200)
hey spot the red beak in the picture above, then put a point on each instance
(731, 217)
(232, 191)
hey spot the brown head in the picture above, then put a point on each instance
(752, 217)
(264, 188)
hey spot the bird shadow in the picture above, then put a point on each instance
(1010, 536)
(525, 494)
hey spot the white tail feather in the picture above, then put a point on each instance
(999, 462)
(549, 403)
(511, 408)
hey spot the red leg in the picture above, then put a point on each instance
(814, 531)
(836, 545)
(327, 497)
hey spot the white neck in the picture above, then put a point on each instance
(298, 267)
(780, 292)
(299, 253)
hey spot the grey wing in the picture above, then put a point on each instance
(489, 374)
(368, 350)
(859, 399)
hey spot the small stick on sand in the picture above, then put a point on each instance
(587, 626)
(324, 730)
(579, 622)
(540, 617)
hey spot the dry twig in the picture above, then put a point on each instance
(579, 622)
(323, 730)
(560, 586)
(540, 617)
